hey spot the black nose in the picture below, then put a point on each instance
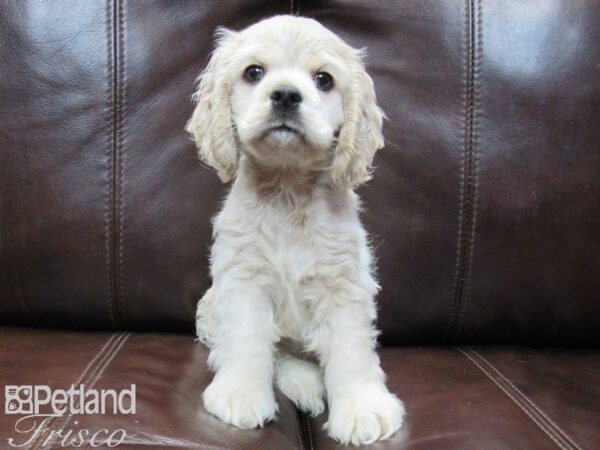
(286, 98)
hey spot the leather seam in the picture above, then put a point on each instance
(114, 223)
(300, 428)
(462, 311)
(116, 209)
(108, 222)
(549, 427)
(467, 191)
(526, 399)
(82, 375)
(119, 152)
(304, 429)
(94, 376)
(295, 7)
(309, 432)
(461, 193)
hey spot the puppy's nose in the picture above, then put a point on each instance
(286, 98)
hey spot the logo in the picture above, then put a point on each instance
(18, 399)
(37, 405)
(33, 399)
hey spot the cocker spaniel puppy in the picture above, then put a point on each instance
(287, 111)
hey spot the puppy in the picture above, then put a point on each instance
(287, 111)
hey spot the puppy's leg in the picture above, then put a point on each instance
(244, 335)
(204, 321)
(302, 382)
(361, 409)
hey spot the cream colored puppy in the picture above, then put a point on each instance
(286, 110)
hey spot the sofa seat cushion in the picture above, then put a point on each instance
(169, 372)
(490, 398)
(455, 397)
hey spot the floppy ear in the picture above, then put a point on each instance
(211, 123)
(360, 136)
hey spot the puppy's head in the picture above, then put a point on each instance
(287, 91)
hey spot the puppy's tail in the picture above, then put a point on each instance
(204, 318)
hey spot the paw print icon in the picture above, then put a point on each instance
(12, 406)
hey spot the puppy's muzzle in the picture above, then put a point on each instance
(286, 99)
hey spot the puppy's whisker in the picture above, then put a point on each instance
(391, 144)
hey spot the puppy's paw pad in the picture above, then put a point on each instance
(244, 405)
(365, 417)
(302, 382)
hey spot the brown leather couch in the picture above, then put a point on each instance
(484, 210)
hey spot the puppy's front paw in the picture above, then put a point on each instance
(245, 405)
(302, 382)
(364, 416)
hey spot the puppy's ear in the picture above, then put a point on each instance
(211, 124)
(361, 135)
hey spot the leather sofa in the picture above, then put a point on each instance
(484, 212)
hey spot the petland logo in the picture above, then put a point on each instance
(32, 399)
(47, 412)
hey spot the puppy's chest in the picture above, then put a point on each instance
(294, 263)
(292, 254)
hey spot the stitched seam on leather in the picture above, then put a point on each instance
(35, 444)
(91, 380)
(108, 223)
(517, 397)
(119, 152)
(102, 368)
(295, 7)
(309, 432)
(61, 421)
(525, 398)
(474, 145)
(461, 194)
(466, 192)
(115, 224)
(116, 53)
(299, 428)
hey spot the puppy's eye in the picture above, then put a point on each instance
(324, 81)
(253, 74)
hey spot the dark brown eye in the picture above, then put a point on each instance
(324, 81)
(253, 74)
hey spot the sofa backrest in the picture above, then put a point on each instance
(484, 209)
